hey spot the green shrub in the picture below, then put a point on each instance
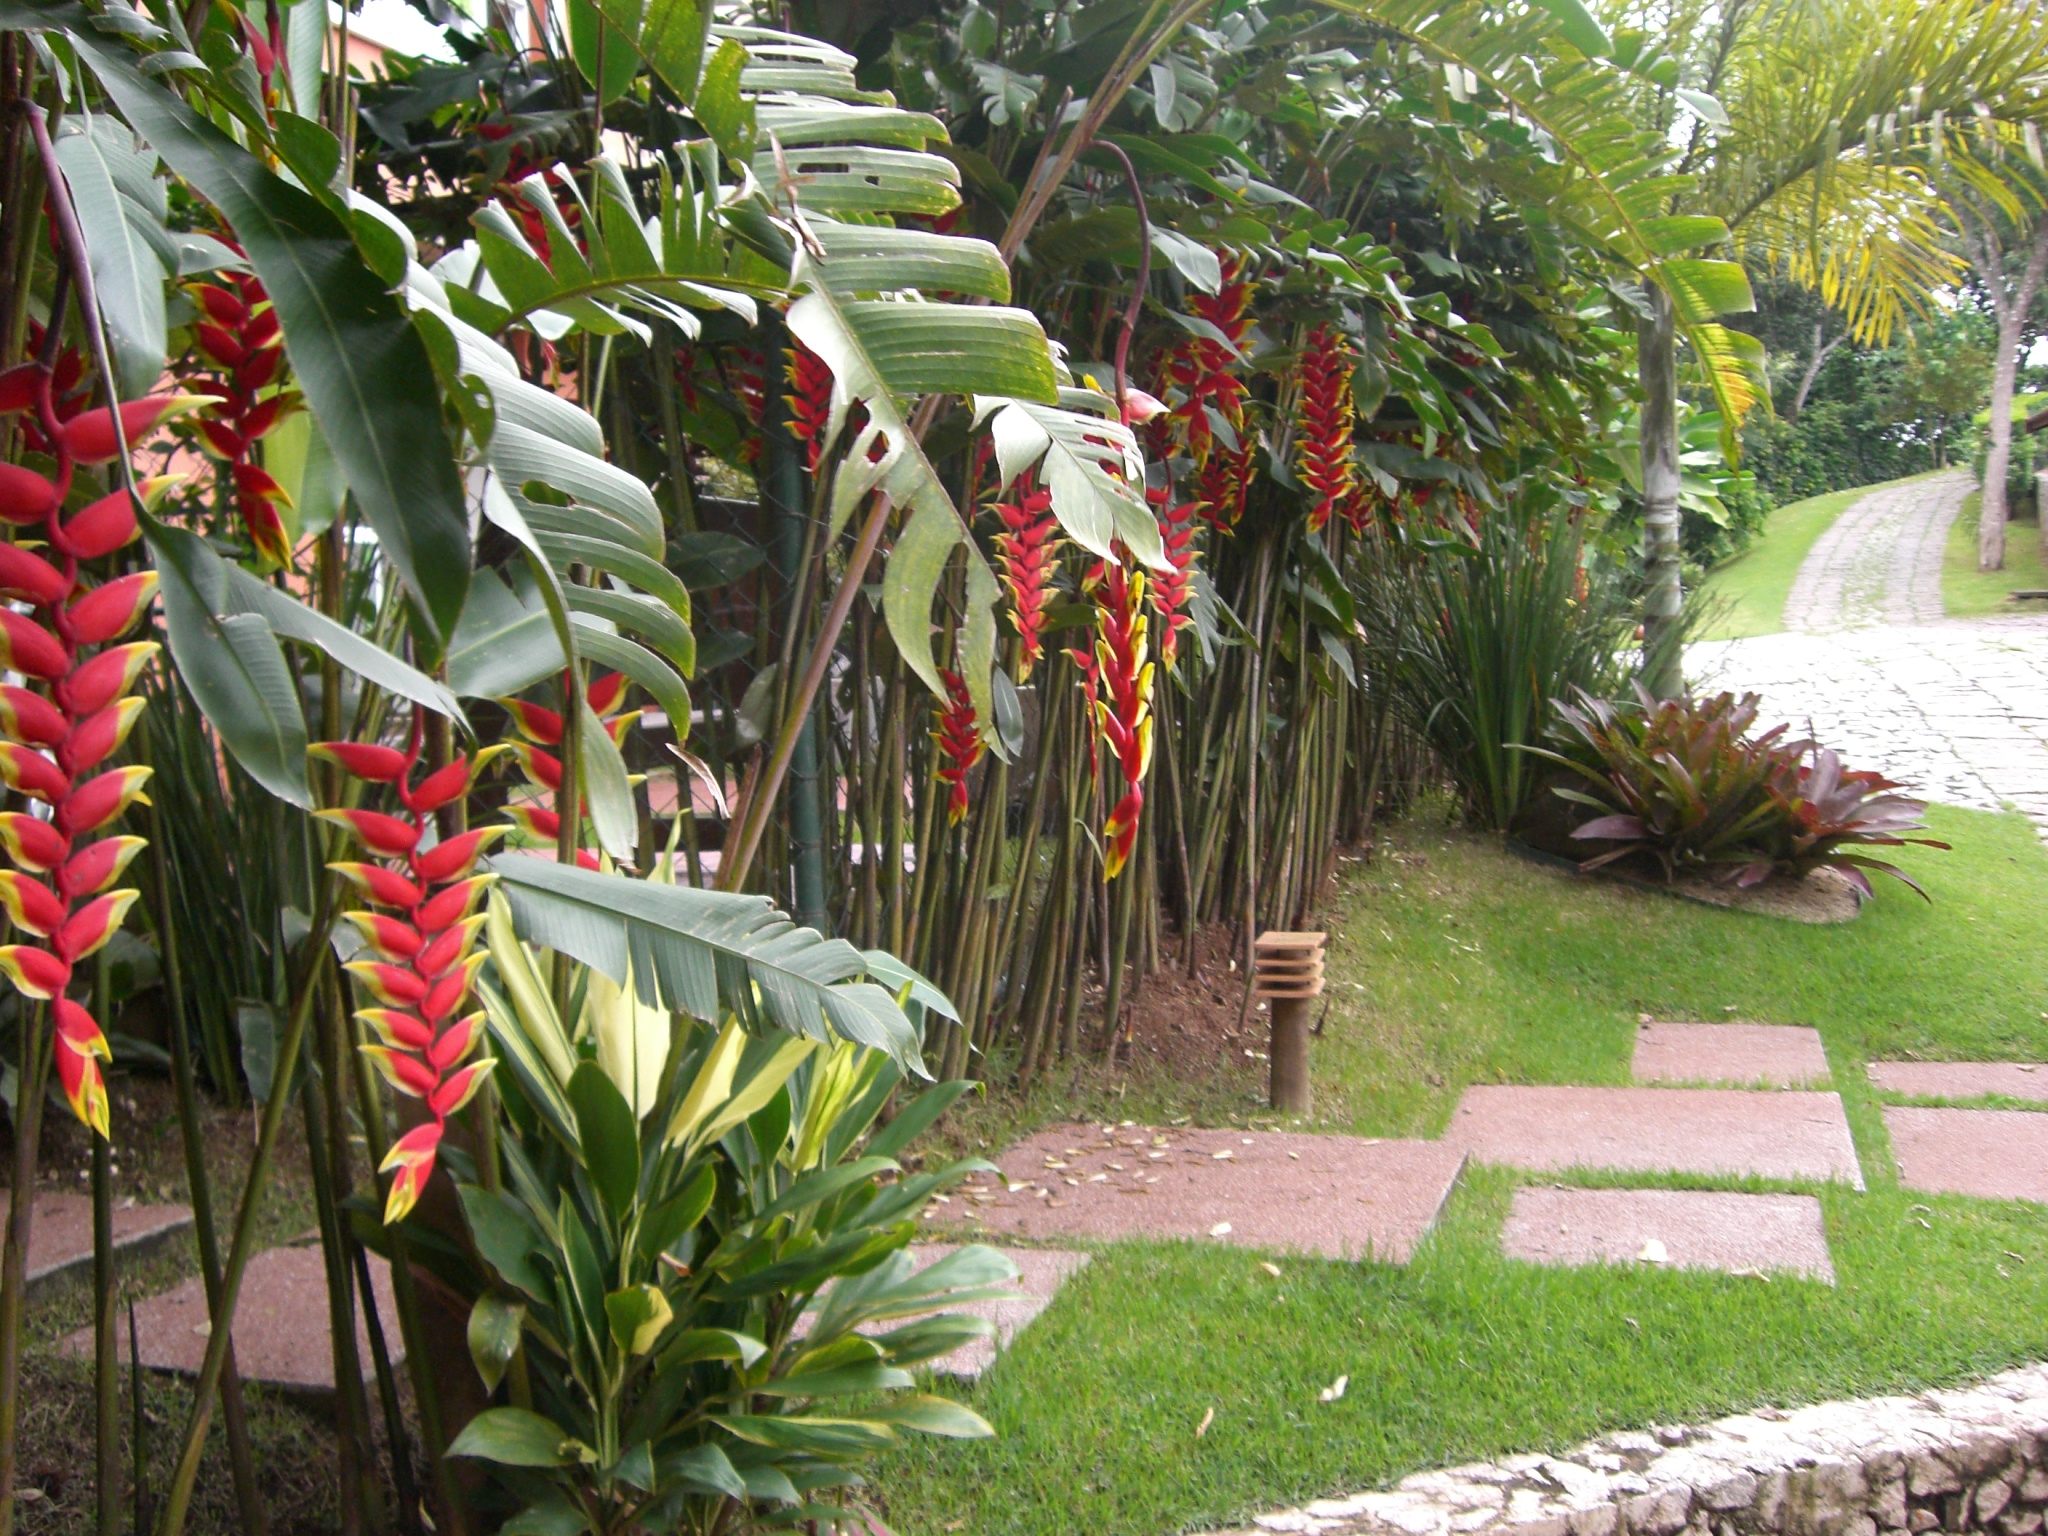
(694, 1285)
(1476, 640)
(1685, 784)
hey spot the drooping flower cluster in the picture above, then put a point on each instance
(541, 729)
(1123, 712)
(74, 714)
(1203, 386)
(810, 402)
(70, 390)
(959, 742)
(421, 961)
(1172, 588)
(241, 339)
(1323, 441)
(1028, 550)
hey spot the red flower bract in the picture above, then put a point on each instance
(425, 966)
(84, 718)
(959, 743)
(1027, 548)
(1323, 442)
(1123, 711)
(242, 342)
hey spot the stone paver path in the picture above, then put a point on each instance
(281, 1335)
(1995, 1154)
(60, 1243)
(1724, 1131)
(1955, 708)
(1880, 561)
(1338, 1197)
(1961, 1079)
(1688, 1228)
(1776, 1055)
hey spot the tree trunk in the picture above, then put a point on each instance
(2011, 305)
(1663, 592)
(1821, 353)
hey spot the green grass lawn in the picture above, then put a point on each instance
(1452, 963)
(1967, 592)
(1747, 594)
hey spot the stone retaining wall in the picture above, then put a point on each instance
(1970, 1460)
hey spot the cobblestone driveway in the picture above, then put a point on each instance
(1956, 708)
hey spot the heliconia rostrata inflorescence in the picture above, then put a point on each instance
(418, 959)
(959, 743)
(72, 716)
(239, 336)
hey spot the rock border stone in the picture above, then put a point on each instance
(1974, 1459)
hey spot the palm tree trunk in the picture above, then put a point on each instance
(1663, 592)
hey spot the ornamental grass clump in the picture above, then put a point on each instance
(1685, 783)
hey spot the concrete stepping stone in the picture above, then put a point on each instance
(282, 1339)
(1686, 1228)
(1995, 1154)
(1727, 1131)
(1961, 1079)
(1335, 1197)
(1772, 1055)
(60, 1243)
(1043, 1272)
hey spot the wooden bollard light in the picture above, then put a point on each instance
(1287, 973)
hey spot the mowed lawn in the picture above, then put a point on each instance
(1746, 595)
(1454, 962)
(1968, 593)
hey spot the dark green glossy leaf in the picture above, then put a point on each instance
(611, 1142)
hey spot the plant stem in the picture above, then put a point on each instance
(28, 1134)
(177, 1501)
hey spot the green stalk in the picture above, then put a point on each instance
(106, 1352)
(30, 1082)
(178, 1499)
(198, 1182)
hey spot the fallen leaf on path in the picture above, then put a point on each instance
(1334, 1390)
(1221, 1229)
(1271, 1269)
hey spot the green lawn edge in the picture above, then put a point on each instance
(1453, 962)
(1968, 593)
(1746, 594)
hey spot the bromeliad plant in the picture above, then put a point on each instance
(696, 1292)
(1685, 783)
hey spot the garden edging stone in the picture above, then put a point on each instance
(1973, 1459)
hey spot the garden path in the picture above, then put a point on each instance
(1958, 709)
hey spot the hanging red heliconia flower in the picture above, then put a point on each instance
(238, 334)
(1221, 484)
(959, 742)
(418, 965)
(1123, 714)
(541, 728)
(1170, 589)
(1201, 372)
(1322, 459)
(1027, 550)
(69, 389)
(73, 713)
(810, 402)
(746, 370)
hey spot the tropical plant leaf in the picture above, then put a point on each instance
(231, 663)
(128, 266)
(675, 939)
(362, 367)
